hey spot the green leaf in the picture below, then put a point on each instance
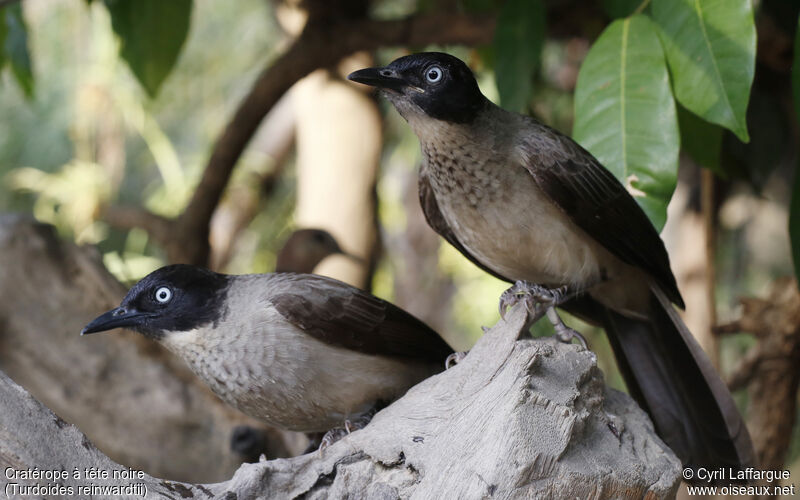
(518, 42)
(15, 47)
(702, 140)
(794, 206)
(625, 113)
(711, 50)
(151, 35)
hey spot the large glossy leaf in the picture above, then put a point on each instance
(625, 113)
(711, 48)
(794, 207)
(518, 42)
(151, 35)
(15, 47)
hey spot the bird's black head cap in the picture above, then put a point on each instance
(174, 298)
(441, 85)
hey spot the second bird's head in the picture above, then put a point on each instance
(429, 84)
(174, 298)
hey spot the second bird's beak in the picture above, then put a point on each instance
(383, 78)
(119, 317)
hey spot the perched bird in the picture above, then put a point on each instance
(529, 205)
(297, 351)
(306, 248)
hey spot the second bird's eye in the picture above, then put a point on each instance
(433, 74)
(163, 294)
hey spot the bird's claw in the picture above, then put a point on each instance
(566, 334)
(454, 359)
(537, 296)
(534, 296)
(512, 296)
(563, 332)
(331, 437)
(348, 427)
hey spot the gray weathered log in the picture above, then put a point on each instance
(515, 419)
(135, 401)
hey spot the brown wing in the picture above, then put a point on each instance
(342, 315)
(600, 205)
(436, 220)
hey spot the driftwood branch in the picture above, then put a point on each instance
(515, 419)
(321, 44)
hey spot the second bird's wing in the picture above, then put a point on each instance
(600, 205)
(342, 315)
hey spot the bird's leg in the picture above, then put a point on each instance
(563, 332)
(536, 296)
(531, 293)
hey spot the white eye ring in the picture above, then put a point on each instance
(433, 74)
(163, 294)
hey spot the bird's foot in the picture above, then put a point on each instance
(563, 332)
(454, 359)
(348, 427)
(332, 436)
(533, 294)
(538, 296)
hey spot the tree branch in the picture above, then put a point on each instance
(129, 217)
(320, 45)
(745, 370)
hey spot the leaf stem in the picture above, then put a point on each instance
(641, 7)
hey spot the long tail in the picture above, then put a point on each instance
(670, 376)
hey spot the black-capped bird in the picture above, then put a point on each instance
(528, 204)
(297, 351)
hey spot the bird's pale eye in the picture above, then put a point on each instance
(163, 294)
(433, 74)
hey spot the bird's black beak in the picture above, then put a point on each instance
(119, 317)
(383, 78)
